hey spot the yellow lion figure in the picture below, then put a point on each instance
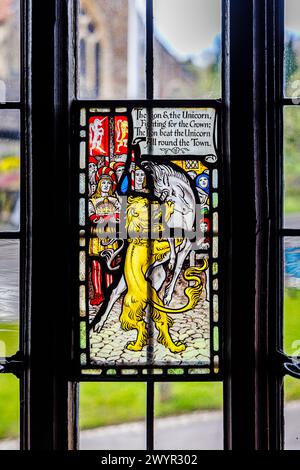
(141, 254)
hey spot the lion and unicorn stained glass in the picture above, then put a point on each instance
(148, 228)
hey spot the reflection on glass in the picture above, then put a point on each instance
(9, 170)
(111, 52)
(200, 424)
(105, 404)
(292, 167)
(9, 297)
(9, 412)
(292, 49)
(9, 50)
(292, 413)
(292, 295)
(187, 49)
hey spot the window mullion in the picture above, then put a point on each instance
(239, 385)
(149, 51)
(50, 396)
(253, 403)
(149, 95)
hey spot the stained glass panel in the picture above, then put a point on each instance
(149, 270)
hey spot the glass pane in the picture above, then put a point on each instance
(292, 49)
(9, 297)
(160, 310)
(9, 412)
(9, 170)
(112, 416)
(112, 49)
(292, 167)
(9, 50)
(292, 413)
(200, 424)
(187, 49)
(291, 295)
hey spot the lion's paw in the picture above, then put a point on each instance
(132, 346)
(177, 347)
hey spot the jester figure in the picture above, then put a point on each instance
(103, 207)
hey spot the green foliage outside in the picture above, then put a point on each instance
(9, 385)
(292, 160)
(110, 403)
(292, 322)
(291, 152)
(9, 406)
(9, 337)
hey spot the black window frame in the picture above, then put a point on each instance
(252, 93)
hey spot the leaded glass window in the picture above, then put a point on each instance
(134, 165)
(149, 184)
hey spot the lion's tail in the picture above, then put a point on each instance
(192, 293)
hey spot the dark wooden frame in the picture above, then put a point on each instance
(253, 399)
(252, 143)
(49, 398)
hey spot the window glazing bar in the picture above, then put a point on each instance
(290, 232)
(291, 101)
(149, 96)
(11, 105)
(149, 50)
(10, 235)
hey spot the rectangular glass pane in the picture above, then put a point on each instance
(9, 412)
(111, 52)
(9, 170)
(9, 297)
(188, 416)
(292, 167)
(9, 50)
(292, 295)
(187, 49)
(292, 413)
(292, 49)
(155, 199)
(112, 416)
